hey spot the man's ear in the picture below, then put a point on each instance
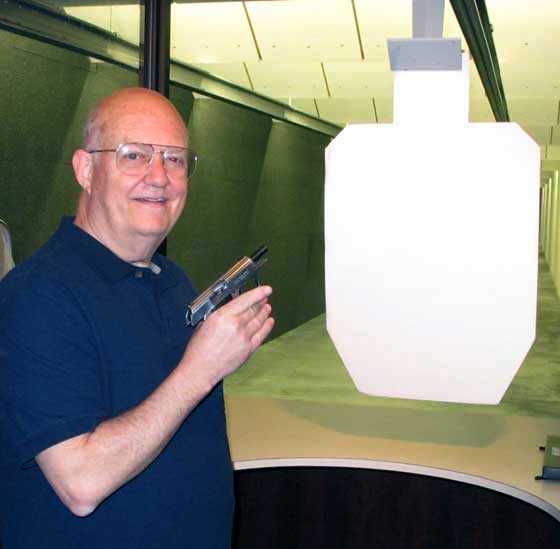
(83, 168)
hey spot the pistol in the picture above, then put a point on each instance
(228, 285)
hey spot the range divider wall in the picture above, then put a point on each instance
(550, 225)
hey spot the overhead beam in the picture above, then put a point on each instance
(50, 25)
(473, 19)
(54, 26)
(211, 86)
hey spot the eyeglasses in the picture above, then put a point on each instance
(136, 158)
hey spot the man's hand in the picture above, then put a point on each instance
(226, 339)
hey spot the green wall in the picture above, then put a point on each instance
(288, 216)
(45, 95)
(258, 180)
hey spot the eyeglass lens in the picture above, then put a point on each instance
(135, 159)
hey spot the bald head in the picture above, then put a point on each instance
(103, 122)
(131, 210)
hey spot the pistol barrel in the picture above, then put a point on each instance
(256, 256)
(228, 285)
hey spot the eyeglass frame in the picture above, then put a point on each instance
(162, 151)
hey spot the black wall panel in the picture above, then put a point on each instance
(340, 508)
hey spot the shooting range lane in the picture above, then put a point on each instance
(295, 401)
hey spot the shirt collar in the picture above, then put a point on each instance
(102, 260)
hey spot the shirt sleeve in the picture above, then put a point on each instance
(50, 384)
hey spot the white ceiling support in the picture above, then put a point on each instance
(425, 91)
(427, 18)
(427, 51)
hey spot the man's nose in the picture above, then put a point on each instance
(157, 174)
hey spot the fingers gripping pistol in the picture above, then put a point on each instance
(228, 285)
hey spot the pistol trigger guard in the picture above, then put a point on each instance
(236, 293)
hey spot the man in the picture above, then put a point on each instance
(112, 430)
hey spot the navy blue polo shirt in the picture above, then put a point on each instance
(85, 336)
